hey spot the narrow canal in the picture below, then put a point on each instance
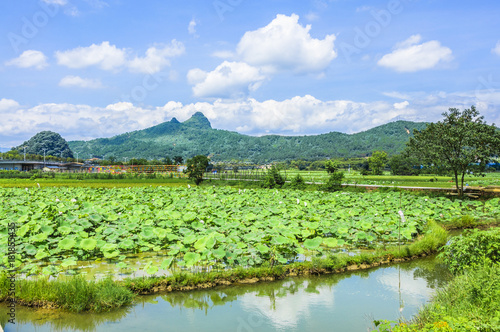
(342, 302)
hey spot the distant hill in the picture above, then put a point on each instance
(196, 136)
(48, 143)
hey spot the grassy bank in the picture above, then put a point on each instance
(76, 294)
(471, 301)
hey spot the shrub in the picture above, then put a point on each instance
(470, 249)
(334, 182)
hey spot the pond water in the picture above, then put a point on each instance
(342, 302)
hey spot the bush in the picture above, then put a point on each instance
(297, 182)
(273, 179)
(334, 182)
(471, 249)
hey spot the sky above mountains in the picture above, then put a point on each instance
(97, 68)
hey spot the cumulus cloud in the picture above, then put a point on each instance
(29, 58)
(77, 81)
(284, 44)
(409, 56)
(496, 50)
(105, 56)
(156, 58)
(109, 57)
(300, 115)
(227, 80)
(402, 105)
(8, 104)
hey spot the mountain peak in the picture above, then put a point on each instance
(174, 120)
(199, 121)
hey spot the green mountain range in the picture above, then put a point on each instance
(196, 136)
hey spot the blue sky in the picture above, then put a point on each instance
(97, 68)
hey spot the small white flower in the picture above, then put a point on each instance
(119, 213)
(153, 199)
(189, 186)
(73, 200)
(202, 221)
(57, 199)
(281, 202)
(26, 189)
(426, 199)
(38, 184)
(305, 203)
(298, 201)
(60, 212)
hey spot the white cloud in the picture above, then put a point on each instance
(29, 58)
(106, 56)
(229, 79)
(284, 44)
(109, 57)
(409, 56)
(402, 105)
(496, 50)
(192, 27)
(76, 81)
(8, 104)
(56, 2)
(156, 58)
(300, 115)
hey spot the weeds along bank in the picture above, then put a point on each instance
(471, 301)
(215, 228)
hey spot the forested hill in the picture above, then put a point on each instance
(196, 136)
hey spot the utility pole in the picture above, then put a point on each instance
(24, 147)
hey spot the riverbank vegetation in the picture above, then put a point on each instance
(471, 301)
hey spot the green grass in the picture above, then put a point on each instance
(75, 294)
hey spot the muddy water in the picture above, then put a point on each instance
(346, 302)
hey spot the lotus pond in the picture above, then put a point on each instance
(207, 227)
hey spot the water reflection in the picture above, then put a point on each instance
(346, 302)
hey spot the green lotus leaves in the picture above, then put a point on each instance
(41, 254)
(88, 244)
(167, 262)
(203, 225)
(68, 262)
(219, 253)
(67, 244)
(189, 216)
(40, 237)
(330, 242)
(262, 248)
(147, 232)
(313, 244)
(191, 258)
(64, 230)
(30, 249)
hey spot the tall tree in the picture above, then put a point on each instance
(196, 166)
(461, 143)
(377, 162)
